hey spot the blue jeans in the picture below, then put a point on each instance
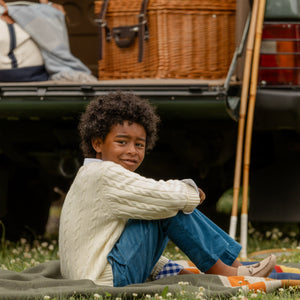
(142, 243)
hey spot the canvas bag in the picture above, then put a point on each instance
(20, 57)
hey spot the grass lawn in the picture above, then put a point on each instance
(22, 255)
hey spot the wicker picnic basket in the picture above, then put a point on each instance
(187, 39)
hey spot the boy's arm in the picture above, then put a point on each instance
(193, 184)
(130, 195)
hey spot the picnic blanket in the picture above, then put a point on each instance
(288, 271)
(45, 280)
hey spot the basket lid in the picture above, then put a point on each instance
(193, 4)
(135, 5)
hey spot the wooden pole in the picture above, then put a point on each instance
(241, 124)
(249, 127)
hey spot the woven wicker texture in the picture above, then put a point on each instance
(188, 39)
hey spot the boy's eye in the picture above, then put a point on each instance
(121, 142)
(140, 145)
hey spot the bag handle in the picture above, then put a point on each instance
(124, 35)
(102, 24)
(143, 29)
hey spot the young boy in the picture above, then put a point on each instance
(115, 224)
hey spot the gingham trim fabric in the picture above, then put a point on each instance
(169, 269)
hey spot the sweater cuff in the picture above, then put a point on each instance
(158, 267)
(193, 198)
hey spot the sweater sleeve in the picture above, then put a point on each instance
(130, 195)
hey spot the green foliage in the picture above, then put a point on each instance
(22, 255)
(224, 204)
(165, 292)
(3, 244)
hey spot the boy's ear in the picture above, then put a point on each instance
(97, 144)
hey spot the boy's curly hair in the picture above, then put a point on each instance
(114, 108)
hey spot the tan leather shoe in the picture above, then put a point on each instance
(260, 269)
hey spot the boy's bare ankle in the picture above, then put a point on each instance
(236, 264)
(219, 268)
(184, 271)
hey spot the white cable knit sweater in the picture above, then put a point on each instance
(103, 196)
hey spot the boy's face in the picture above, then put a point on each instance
(125, 145)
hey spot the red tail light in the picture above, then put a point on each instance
(280, 55)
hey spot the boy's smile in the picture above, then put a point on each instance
(125, 145)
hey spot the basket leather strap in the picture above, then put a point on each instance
(102, 24)
(143, 32)
(143, 29)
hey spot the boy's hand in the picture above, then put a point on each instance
(5, 17)
(55, 5)
(201, 195)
